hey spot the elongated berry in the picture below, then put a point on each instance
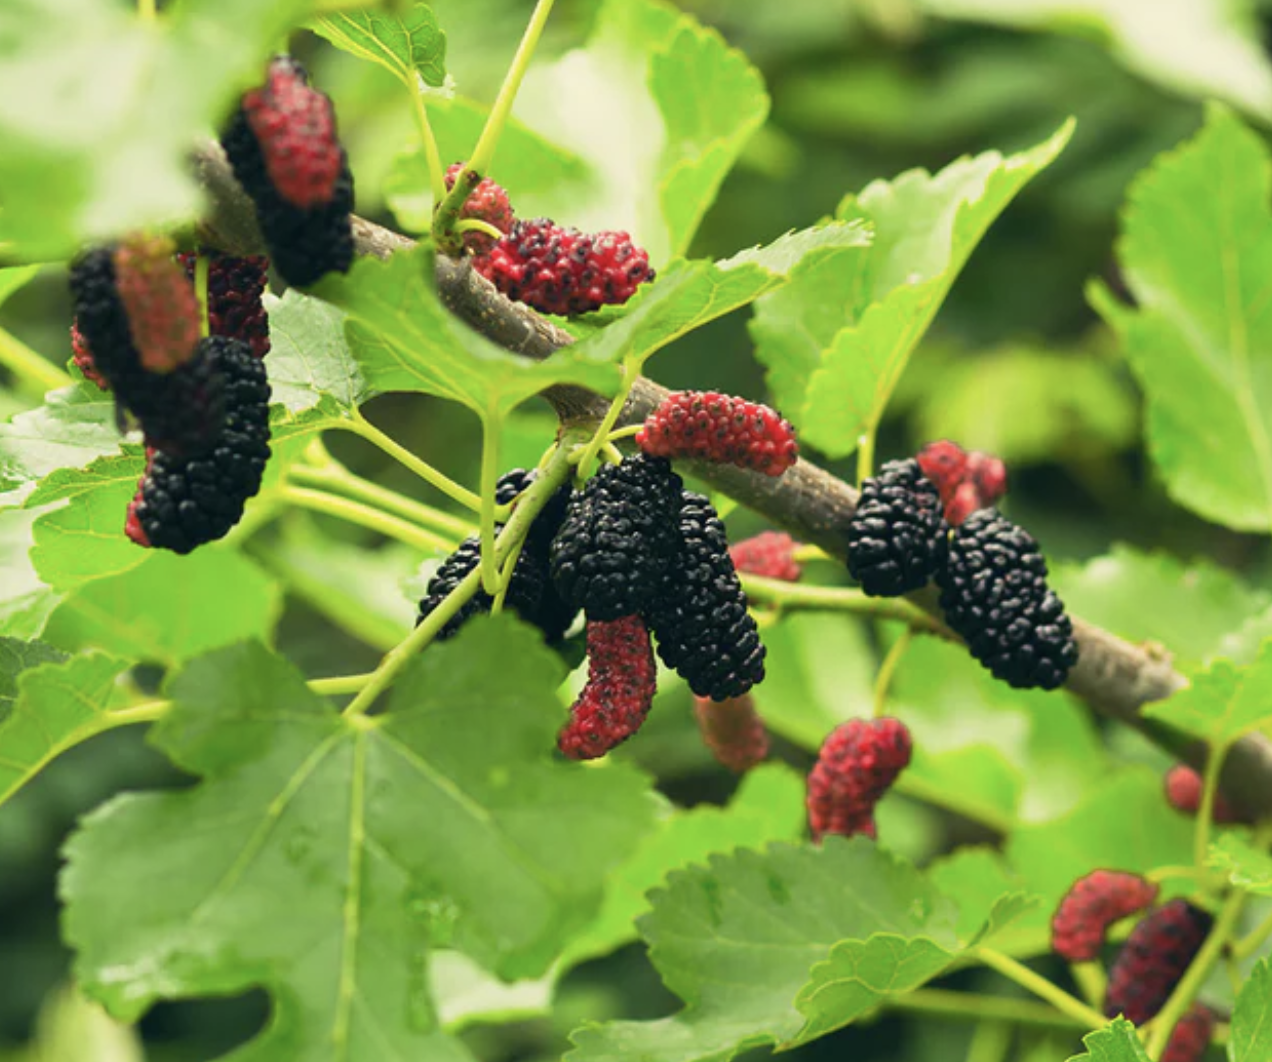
(1191, 1036)
(83, 358)
(1154, 959)
(733, 730)
(1183, 792)
(486, 202)
(858, 763)
(564, 271)
(723, 429)
(770, 554)
(898, 537)
(1092, 904)
(163, 314)
(621, 682)
(236, 287)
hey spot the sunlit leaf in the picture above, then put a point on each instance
(1116, 1043)
(406, 45)
(1250, 1039)
(1223, 701)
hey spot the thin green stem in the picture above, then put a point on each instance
(1254, 940)
(477, 225)
(953, 800)
(799, 596)
(339, 684)
(601, 435)
(146, 712)
(37, 374)
(489, 474)
(887, 669)
(990, 1042)
(971, 1006)
(1082, 1014)
(619, 434)
(865, 453)
(354, 512)
(1091, 980)
(804, 553)
(436, 172)
(1160, 874)
(202, 267)
(1195, 976)
(1206, 811)
(359, 425)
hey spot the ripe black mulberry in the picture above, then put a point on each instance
(898, 537)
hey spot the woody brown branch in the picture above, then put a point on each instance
(1115, 677)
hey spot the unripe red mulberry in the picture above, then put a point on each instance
(487, 202)
(723, 429)
(564, 271)
(770, 554)
(83, 358)
(1092, 904)
(945, 463)
(163, 313)
(1154, 959)
(733, 730)
(621, 682)
(989, 475)
(1183, 793)
(858, 763)
(236, 287)
(1191, 1036)
(967, 481)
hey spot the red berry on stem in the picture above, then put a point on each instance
(621, 681)
(1183, 793)
(857, 764)
(487, 202)
(944, 463)
(710, 426)
(770, 554)
(733, 730)
(1153, 960)
(1092, 904)
(1191, 1036)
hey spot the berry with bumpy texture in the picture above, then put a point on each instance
(770, 554)
(966, 481)
(617, 538)
(564, 271)
(724, 429)
(163, 313)
(1183, 792)
(994, 594)
(858, 763)
(897, 538)
(945, 463)
(964, 501)
(282, 145)
(487, 202)
(1092, 904)
(1191, 1035)
(184, 502)
(235, 290)
(699, 616)
(733, 730)
(83, 358)
(621, 682)
(989, 476)
(1154, 959)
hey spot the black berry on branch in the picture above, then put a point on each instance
(284, 149)
(699, 616)
(184, 502)
(1191, 1036)
(1154, 959)
(621, 682)
(1092, 904)
(709, 426)
(770, 554)
(618, 537)
(994, 594)
(858, 763)
(1183, 792)
(564, 271)
(733, 730)
(83, 358)
(898, 537)
(487, 202)
(163, 313)
(235, 290)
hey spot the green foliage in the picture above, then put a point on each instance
(1117, 1043)
(1251, 1036)
(408, 46)
(1223, 701)
(1244, 865)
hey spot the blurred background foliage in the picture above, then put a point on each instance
(1016, 364)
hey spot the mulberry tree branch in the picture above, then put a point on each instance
(1114, 676)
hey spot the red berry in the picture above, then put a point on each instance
(724, 429)
(989, 475)
(621, 680)
(967, 481)
(944, 463)
(733, 730)
(1092, 904)
(1154, 959)
(163, 313)
(295, 126)
(770, 554)
(1183, 793)
(83, 358)
(1191, 1036)
(487, 202)
(857, 764)
(564, 271)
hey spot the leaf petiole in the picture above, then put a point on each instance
(359, 425)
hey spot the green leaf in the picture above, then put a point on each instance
(1196, 246)
(94, 141)
(1244, 865)
(1250, 1038)
(410, 45)
(1223, 703)
(17, 656)
(72, 427)
(832, 384)
(25, 601)
(1116, 1043)
(310, 359)
(15, 277)
(976, 879)
(170, 608)
(1192, 609)
(58, 705)
(322, 856)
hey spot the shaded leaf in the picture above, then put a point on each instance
(16, 656)
(25, 600)
(310, 359)
(74, 426)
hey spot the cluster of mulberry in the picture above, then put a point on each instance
(858, 763)
(1154, 959)
(488, 202)
(1092, 904)
(967, 481)
(283, 147)
(1183, 788)
(723, 429)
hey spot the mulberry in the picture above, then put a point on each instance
(859, 761)
(898, 537)
(621, 681)
(564, 271)
(1191, 1036)
(1153, 959)
(235, 290)
(1092, 904)
(699, 616)
(770, 554)
(617, 538)
(709, 426)
(184, 502)
(283, 147)
(994, 593)
(966, 481)
(733, 730)
(487, 202)
(162, 311)
(945, 464)
(83, 358)
(1183, 793)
